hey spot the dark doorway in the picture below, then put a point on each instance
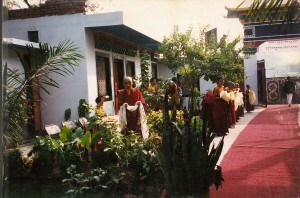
(154, 70)
(118, 79)
(261, 83)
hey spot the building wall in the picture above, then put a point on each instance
(164, 71)
(275, 90)
(282, 57)
(83, 84)
(250, 65)
(206, 86)
(10, 57)
(53, 30)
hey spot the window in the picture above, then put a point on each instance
(249, 32)
(154, 70)
(211, 36)
(33, 36)
(103, 76)
(130, 68)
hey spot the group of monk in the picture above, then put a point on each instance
(225, 105)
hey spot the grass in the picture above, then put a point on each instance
(31, 188)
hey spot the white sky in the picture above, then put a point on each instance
(157, 18)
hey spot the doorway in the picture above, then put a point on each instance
(261, 83)
(118, 79)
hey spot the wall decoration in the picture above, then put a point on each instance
(275, 93)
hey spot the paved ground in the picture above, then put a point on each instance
(240, 125)
(234, 132)
(263, 161)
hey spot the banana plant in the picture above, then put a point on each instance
(38, 67)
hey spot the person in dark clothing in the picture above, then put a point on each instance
(175, 92)
(249, 99)
(289, 88)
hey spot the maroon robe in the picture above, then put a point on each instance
(207, 102)
(131, 99)
(231, 117)
(220, 112)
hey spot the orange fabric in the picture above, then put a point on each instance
(218, 89)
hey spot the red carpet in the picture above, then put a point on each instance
(264, 161)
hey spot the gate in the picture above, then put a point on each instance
(261, 83)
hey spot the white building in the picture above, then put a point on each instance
(110, 47)
(273, 54)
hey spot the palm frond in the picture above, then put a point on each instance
(39, 67)
(263, 10)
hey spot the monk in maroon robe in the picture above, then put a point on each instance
(220, 112)
(130, 96)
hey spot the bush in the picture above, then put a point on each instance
(44, 154)
(84, 108)
(84, 183)
(188, 156)
(14, 164)
(67, 115)
(70, 155)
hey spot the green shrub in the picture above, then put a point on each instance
(188, 156)
(81, 183)
(84, 108)
(14, 164)
(67, 115)
(70, 155)
(136, 161)
(44, 154)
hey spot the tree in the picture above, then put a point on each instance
(262, 10)
(39, 67)
(183, 52)
(12, 4)
(198, 57)
(224, 59)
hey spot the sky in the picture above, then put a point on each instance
(157, 18)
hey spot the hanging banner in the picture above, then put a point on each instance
(281, 45)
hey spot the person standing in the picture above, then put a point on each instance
(219, 87)
(231, 119)
(100, 110)
(129, 94)
(289, 88)
(220, 109)
(174, 91)
(152, 86)
(130, 97)
(249, 99)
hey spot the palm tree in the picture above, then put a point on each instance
(21, 88)
(264, 10)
